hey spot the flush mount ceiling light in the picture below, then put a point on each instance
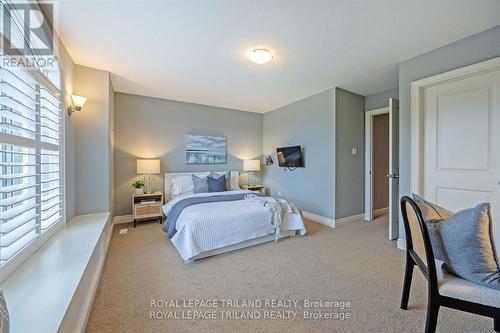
(260, 56)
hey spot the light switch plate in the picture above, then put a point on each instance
(123, 232)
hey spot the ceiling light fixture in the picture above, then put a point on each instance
(260, 56)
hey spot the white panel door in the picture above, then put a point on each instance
(461, 156)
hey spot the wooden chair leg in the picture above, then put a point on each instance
(496, 323)
(407, 282)
(432, 316)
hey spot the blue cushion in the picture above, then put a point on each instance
(228, 178)
(433, 214)
(200, 184)
(469, 245)
(464, 241)
(217, 185)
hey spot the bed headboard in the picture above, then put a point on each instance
(170, 176)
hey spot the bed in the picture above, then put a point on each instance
(207, 224)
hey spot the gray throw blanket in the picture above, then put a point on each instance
(277, 208)
(170, 226)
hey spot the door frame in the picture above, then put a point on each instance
(368, 216)
(417, 113)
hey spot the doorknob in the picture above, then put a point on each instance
(395, 176)
(388, 176)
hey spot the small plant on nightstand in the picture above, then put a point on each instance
(138, 186)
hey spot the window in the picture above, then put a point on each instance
(31, 184)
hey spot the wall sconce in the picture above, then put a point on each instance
(78, 103)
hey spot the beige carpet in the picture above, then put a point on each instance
(355, 262)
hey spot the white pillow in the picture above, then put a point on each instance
(181, 185)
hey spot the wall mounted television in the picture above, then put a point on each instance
(290, 157)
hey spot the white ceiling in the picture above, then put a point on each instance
(195, 50)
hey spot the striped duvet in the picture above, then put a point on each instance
(209, 226)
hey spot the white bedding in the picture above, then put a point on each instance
(210, 226)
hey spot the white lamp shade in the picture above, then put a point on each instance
(148, 167)
(251, 165)
(78, 101)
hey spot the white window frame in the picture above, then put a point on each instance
(19, 258)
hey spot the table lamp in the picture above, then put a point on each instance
(148, 168)
(251, 165)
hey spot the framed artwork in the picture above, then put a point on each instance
(204, 149)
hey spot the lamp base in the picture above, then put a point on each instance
(251, 180)
(149, 185)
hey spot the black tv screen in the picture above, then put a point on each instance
(290, 157)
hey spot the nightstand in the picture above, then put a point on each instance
(147, 206)
(256, 188)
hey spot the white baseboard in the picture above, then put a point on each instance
(401, 244)
(307, 215)
(122, 219)
(350, 219)
(331, 222)
(319, 219)
(381, 211)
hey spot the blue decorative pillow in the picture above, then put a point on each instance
(200, 184)
(433, 214)
(217, 185)
(227, 175)
(470, 250)
(431, 211)
(464, 241)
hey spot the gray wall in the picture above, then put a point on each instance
(474, 49)
(349, 175)
(92, 133)
(310, 124)
(381, 99)
(147, 127)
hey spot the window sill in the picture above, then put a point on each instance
(54, 288)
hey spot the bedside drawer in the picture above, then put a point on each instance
(147, 210)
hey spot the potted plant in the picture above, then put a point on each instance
(138, 186)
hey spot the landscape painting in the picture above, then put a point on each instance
(204, 149)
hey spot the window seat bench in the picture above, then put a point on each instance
(53, 290)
